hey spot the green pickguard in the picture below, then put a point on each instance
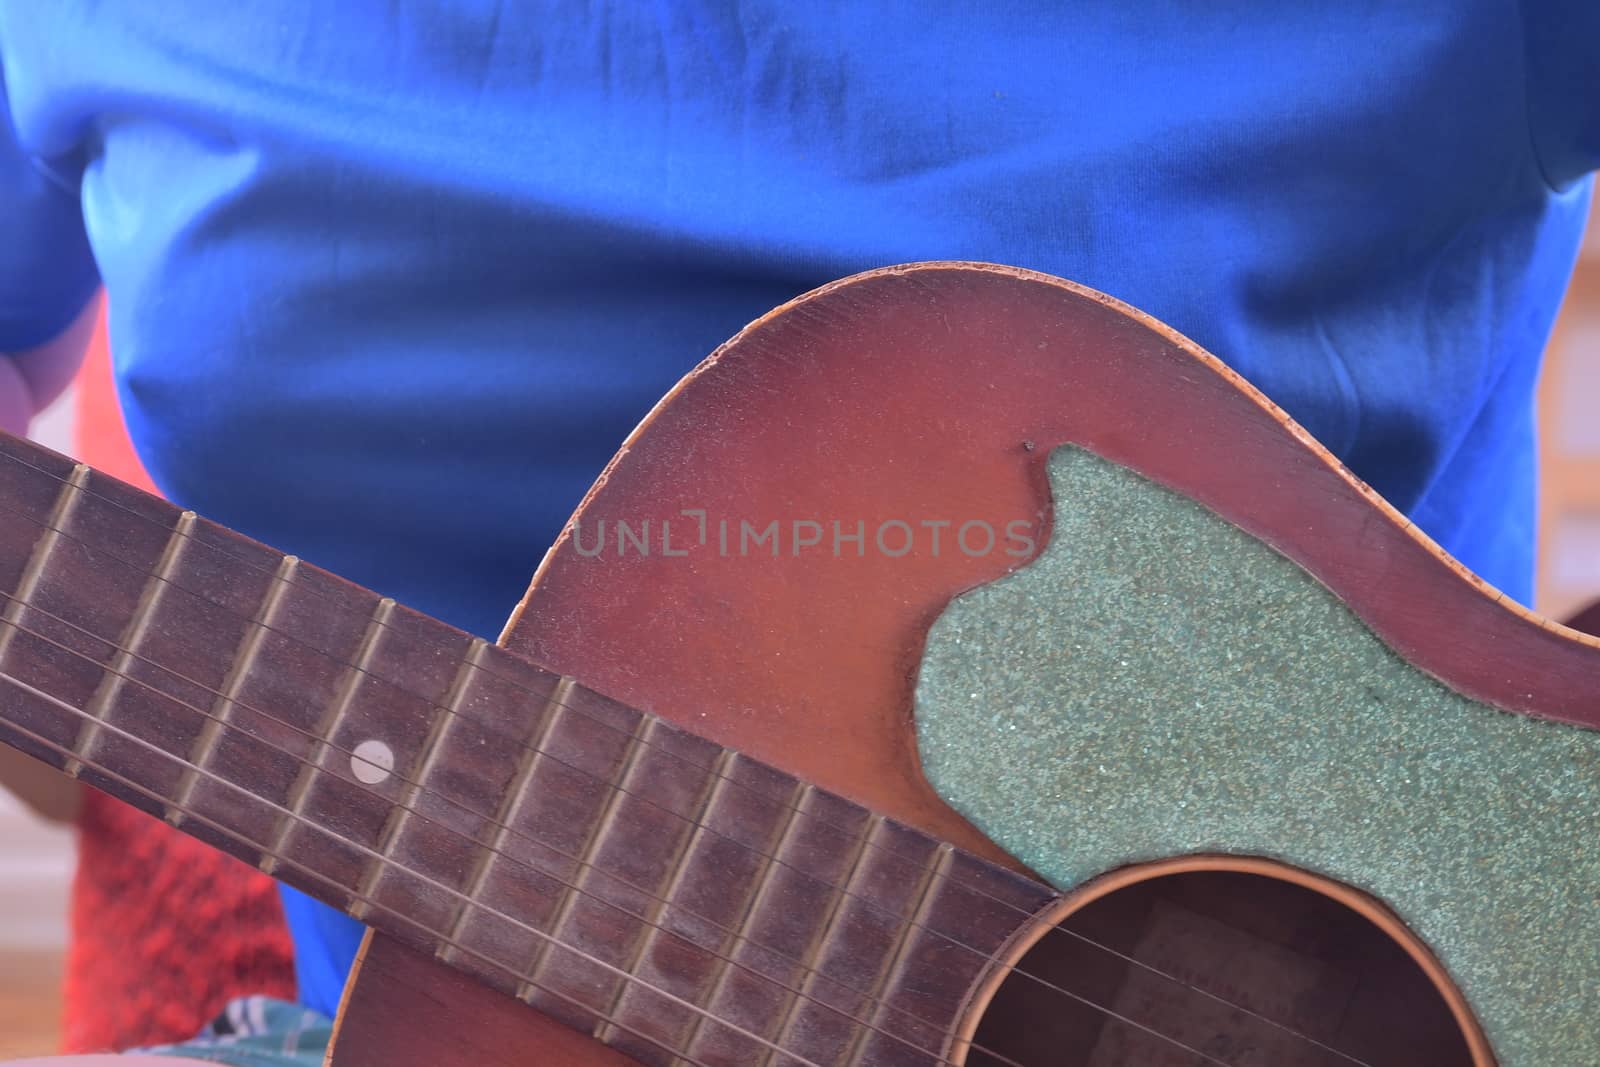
(1159, 683)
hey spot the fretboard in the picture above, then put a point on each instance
(678, 900)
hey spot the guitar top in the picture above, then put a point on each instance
(957, 667)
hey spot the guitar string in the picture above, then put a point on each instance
(693, 823)
(427, 931)
(649, 924)
(289, 583)
(550, 939)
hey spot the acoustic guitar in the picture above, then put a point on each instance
(957, 667)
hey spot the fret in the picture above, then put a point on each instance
(890, 887)
(819, 855)
(133, 636)
(31, 490)
(810, 962)
(664, 787)
(222, 708)
(67, 499)
(468, 789)
(336, 740)
(400, 815)
(46, 685)
(528, 990)
(294, 815)
(527, 765)
(651, 916)
(755, 898)
(873, 998)
(968, 913)
(630, 865)
(184, 646)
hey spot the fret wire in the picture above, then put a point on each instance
(807, 791)
(327, 727)
(951, 939)
(247, 565)
(811, 961)
(50, 532)
(754, 898)
(549, 939)
(232, 685)
(877, 996)
(66, 499)
(527, 763)
(1303, 1037)
(244, 564)
(257, 846)
(399, 815)
(654, 910)
(570, 891)
(284, 579)
(253, 845)
(144, 610)
(228, 699)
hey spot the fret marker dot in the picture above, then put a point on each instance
(372, 762)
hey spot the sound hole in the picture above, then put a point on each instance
(1243, 969)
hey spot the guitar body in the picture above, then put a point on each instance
(796, 662)
(905, 399)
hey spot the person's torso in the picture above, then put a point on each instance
(387, 291)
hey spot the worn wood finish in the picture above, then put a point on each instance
(898, 982)
(935, 392)
(408, 1007)
(674, 898)
(618, 881)
(971, 376)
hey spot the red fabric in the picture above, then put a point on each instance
(98, 434)
(164, 929)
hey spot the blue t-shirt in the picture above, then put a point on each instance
(389, 283)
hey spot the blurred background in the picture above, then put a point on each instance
(178, 928)
(37, 860)
(1569, 415)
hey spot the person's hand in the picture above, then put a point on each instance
(30, 379)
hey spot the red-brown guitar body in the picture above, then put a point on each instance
(909, 393)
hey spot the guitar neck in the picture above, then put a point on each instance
(598, 862)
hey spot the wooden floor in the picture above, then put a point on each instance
(36, 861)
(30, 1004)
